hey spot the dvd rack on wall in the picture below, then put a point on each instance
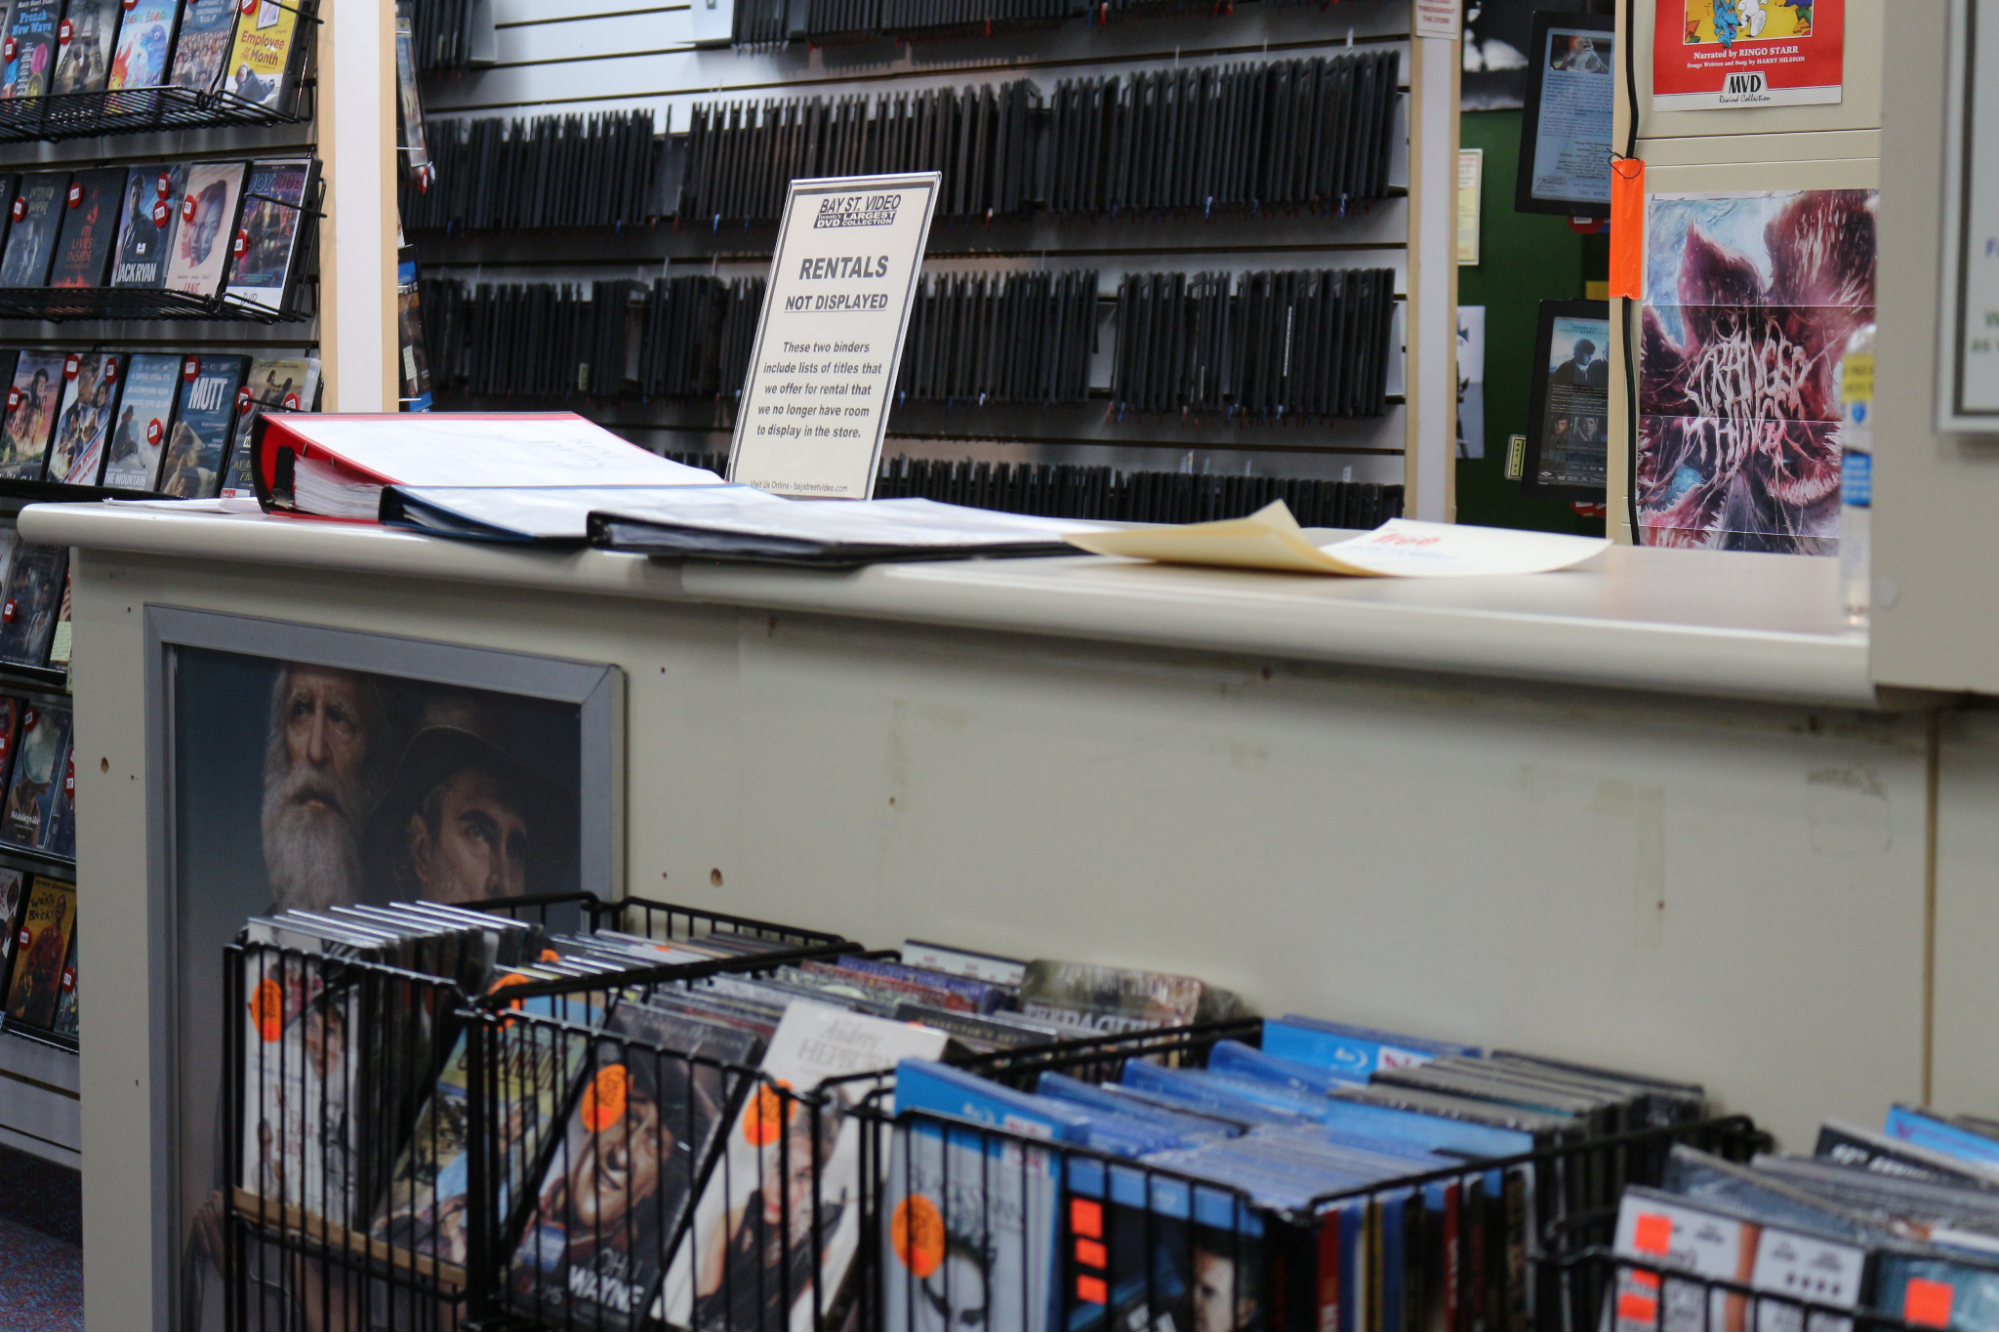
(156, 66)
(1022, 203)
(252, 95)
(37, 810)
(172, 67)
(229, 239)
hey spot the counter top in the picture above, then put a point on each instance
(1682, 622)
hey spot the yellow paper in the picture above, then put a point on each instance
(1401, 548)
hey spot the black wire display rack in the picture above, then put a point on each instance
(1656, 1295)
(60, 116)
(54, 117)
(59, 304)
(472, 1257)
(301, 298)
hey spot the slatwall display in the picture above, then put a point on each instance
(1119, 188)
(198, 337)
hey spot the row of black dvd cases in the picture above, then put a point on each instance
(594, 1179)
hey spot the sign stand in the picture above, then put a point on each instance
(823, 368)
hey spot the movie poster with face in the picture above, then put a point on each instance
(1575, 403)
(299, 786)
(200, 249)
(1749, 301)
(621, 1179)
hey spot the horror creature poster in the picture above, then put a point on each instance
(1749, 300)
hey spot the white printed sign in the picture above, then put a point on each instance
(829, 341)
(1438, 18)
(1968, 364)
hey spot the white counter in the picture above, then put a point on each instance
(1680, 622)
(1650, 814)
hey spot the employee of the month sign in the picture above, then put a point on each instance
(829, 341)
(1718, 54)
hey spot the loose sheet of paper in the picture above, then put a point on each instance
(1401, 548)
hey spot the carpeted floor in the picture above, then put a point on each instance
(41, 1243)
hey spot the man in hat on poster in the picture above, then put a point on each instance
(464, 819)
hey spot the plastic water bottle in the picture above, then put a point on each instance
(1856, 475)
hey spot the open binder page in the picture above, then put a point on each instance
(463, 449)
(549, 513)
(1401, 548)
(680, 521)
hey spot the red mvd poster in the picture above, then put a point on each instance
(1717, 54)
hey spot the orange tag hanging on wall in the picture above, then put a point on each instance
(1627, 228)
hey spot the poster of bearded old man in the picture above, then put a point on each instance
(303, 786)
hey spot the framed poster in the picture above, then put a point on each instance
(1717, 55)
(1968, 343)
(299, 767)
(1565, 135)
(1568, 420)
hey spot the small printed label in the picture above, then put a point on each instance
(1856, 480)
(75, 195)
(162, 213)
(243, 401)
(154, 431)
(190, 368)
(71, 365)
(1856, 380)
(63, 31)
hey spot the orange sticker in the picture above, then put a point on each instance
(550, 956)
(604, 1099)
(1092, 1291)
(267, 1009)
(511, 979)
(1086, 1217)
(917, 1231)
(1627, 228)
(1634, 1308)
(1926, 1304)
(1091, 1254)
(1654, 1233)
(763, 1118)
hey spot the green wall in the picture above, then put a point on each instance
(1524, 259)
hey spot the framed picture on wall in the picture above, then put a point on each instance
(1565, 134)
(301, 767)
(1569, 408)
